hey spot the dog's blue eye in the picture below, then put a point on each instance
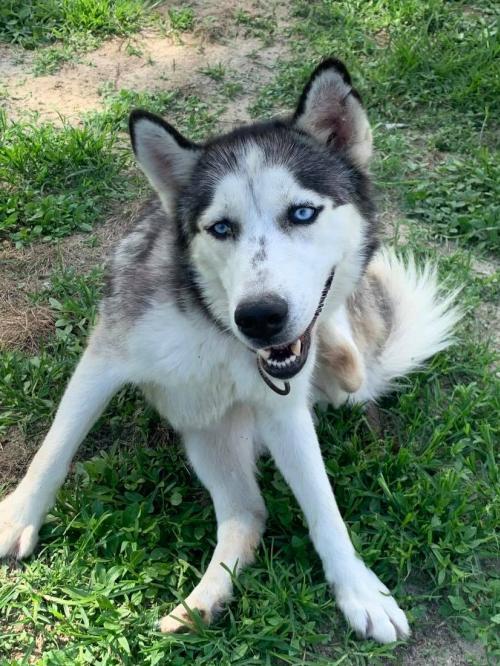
(302, 214)
(221, 230)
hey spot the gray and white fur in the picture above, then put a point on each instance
(249, 288)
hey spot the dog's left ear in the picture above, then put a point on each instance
(330, 109)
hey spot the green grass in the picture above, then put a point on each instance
(132, 529)
(58, 179)
(63, 179)
(426, 58)
(181, 18)
(215, 72)
(430, 66)
(49, 59)
(261, 26)
(34, 23)
(59, 31)
(472, 213)
(194, 116)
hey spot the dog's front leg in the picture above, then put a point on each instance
(366, 603)
(94, 381)
(223, 457)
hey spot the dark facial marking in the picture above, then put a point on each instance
(254, 197)
(314, 166)
(261, 254)
(258, 258)
(139, 275)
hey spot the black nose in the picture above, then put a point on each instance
(262, 319)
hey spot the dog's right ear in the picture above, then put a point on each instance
(330, 109)
(166, 157)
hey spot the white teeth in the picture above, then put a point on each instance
(281, 364)
(284, 363)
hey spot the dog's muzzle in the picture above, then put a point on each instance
(286, 361)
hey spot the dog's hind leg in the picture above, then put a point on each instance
(94, 381)
(224, 460)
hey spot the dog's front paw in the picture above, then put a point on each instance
(18, 528)
(180, 620)
(369, 607)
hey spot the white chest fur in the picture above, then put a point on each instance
(191, 372)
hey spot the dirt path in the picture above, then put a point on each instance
(151, 61)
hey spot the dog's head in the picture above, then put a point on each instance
(275, 218)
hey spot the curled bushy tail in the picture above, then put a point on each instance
(423, 319)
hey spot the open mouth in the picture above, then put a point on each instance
(286, 361)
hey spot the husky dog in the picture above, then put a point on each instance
(250, 288)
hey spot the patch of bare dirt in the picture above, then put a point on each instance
(435, 644)
(26, 271)
(485, 267)
(14, 456)
(394, 230)
(488, 313)
(156, 61)
(488, 316)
